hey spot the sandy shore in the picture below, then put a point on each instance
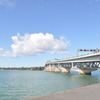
(91, 92)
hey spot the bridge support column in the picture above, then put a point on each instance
(87, 71)
(52, 68)
(83, 68)
(56, 68)
(76, 69)
(48, 67)
(64, 67)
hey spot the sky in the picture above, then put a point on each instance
(35, 31)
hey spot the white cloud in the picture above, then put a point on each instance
(7, 3)
(1, 49)
(36, 43)
(8, 54)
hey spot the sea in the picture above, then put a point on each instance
(20, 85)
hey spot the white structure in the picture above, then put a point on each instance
(84, 64)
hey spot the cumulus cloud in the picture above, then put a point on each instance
(36, 43)
(8, 54)
(7, 3)
(1, 49)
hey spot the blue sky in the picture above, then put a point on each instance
(34, 31)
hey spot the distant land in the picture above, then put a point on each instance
(23, 68)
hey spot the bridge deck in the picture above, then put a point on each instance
(91, 92)
(83, 58)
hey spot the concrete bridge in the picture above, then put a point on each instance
(83, 64)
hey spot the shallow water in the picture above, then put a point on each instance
(18, 85)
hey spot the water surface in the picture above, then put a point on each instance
(18, 85)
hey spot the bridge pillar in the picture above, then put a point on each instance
(48, 67)
(79, 67)
(64, 67)
(52, 68)
(76, 69)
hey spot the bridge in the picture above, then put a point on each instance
(83, 64)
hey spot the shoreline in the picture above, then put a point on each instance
(90, 92)
(24, 68)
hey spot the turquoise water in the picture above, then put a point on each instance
(18, 85)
